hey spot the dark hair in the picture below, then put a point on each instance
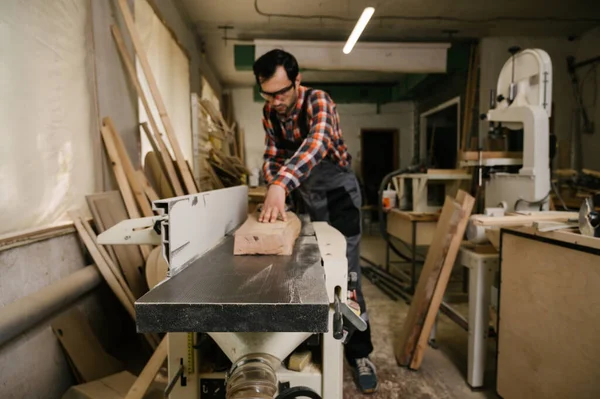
(265, 66)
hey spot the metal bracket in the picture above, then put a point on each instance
(176, 377)
(139, 231)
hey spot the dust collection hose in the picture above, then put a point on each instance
(298, 392)
(382, 219)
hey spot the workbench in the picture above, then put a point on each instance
(450, 178)
(548, 315)
(414, 229)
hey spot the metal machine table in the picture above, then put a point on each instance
(221, 292)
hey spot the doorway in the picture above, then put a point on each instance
(379, 156)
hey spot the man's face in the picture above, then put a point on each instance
(280, 91)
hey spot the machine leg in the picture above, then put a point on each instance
(333, 365)
(413, 277)
(387, 257)
(479, 303)
(433, 333)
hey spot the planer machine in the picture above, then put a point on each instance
(258, 310)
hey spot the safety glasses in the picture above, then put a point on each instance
(272, 95)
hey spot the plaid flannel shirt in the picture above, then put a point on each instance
(324, 140)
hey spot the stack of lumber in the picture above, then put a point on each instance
(441, 256)
(166, 166)
(220, 150)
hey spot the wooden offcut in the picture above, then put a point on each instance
(466, 202)
(277, 238)
(449, 231)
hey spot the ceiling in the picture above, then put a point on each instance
(394, 20)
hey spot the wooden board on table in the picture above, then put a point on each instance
(276, 238)
(521, 220)
(548, 322)
(83, 348)
(466, 202)
(450, 218)
(108, 210)
(474, 155)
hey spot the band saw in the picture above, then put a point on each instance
(257, 309)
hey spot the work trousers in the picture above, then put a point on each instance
(331, 194)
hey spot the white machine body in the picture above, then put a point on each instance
(195, 223)
(530, 111)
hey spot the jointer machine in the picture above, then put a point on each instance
(258, 309)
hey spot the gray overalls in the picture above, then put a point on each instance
(332, 194)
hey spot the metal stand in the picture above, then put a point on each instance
(413, 259)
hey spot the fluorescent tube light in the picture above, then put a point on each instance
(358, 29)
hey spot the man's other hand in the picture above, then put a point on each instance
(274, 205)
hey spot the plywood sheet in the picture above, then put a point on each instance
(548, 328)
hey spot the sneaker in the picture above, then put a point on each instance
(364, 374)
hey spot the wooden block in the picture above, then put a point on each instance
(298, 361)
(256, 238)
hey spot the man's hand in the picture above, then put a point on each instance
(274, 205)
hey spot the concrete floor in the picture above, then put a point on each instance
(443, 371)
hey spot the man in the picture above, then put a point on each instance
(305, 153)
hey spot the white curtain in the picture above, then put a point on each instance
(171, 70)
(47, 111)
